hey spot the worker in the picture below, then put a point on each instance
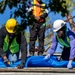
(66, 38)
(11, 44)
(38, 13)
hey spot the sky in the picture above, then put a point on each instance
(4, 17)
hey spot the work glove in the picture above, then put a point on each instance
(29, 9)
(69, 66)
(47, 57)
(6, 62)
(20, 66)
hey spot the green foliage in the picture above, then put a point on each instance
(20, 5)
(2, 6)
(20, 10)
(69, 4)
(58, 6)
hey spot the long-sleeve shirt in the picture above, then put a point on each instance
(21, 40)
(71, 35)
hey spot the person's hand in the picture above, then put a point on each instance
(20, 66)
(37, 18)
(29, 9)
(47, 57)
(69, 66)
(6, 62)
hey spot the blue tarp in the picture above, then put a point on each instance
(38, 61)
(2, 65)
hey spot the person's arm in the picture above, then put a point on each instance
(52, 48)
(72, 44)
(23, 48)
(3, 33)
(45, 13)
(72, 49)
(29, 9)
(23, 51)
(2, 36)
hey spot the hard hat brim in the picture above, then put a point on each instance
(10, 31)
(55, 30)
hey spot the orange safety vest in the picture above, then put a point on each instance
(37, 11)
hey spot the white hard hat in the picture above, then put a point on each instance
(58, 24)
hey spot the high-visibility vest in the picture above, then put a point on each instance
(62, 42)
(14, 47)
(37, 10)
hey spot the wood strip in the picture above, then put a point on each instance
(46, 70)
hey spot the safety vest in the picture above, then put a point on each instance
(38, 9)
(62, 42)
(14, 47)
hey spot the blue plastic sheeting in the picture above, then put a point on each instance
(38, 61)
(2, 65)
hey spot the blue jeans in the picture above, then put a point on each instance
(12, 57)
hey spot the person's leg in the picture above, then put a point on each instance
(33, 38)
(65, 54)
(41, 36)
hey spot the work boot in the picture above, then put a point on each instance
(31, 53)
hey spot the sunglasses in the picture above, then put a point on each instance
(59, 32)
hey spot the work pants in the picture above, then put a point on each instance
(37, 31)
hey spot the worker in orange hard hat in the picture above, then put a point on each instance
(11, 44)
